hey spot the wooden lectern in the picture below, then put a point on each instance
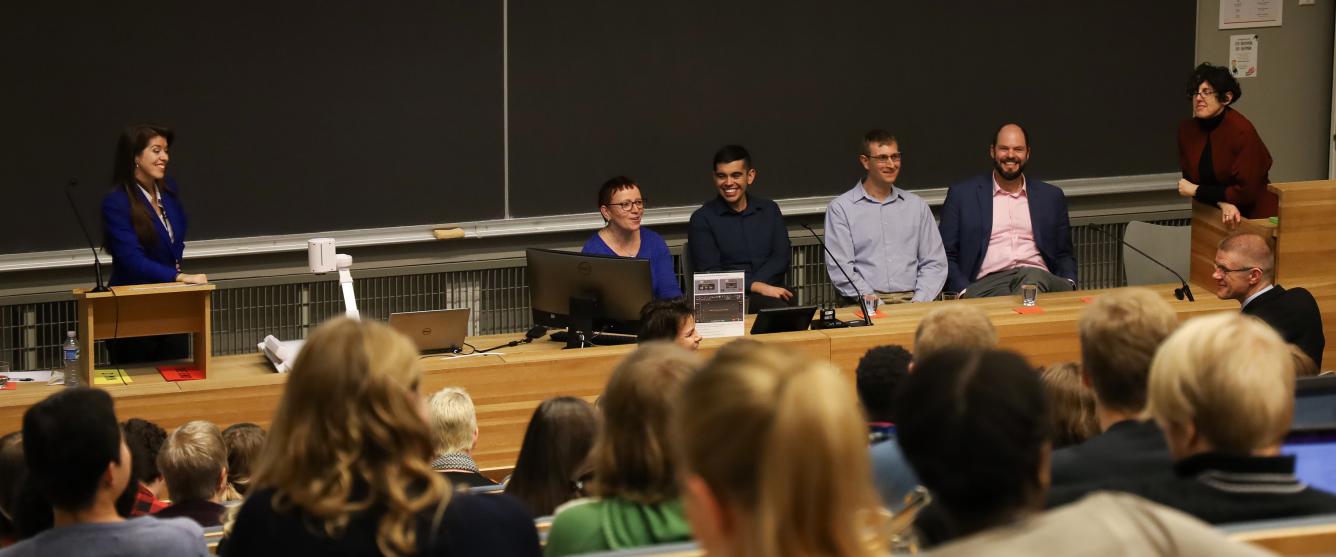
(144, 310)
(1303, 239)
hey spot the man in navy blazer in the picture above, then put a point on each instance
(1001, 230)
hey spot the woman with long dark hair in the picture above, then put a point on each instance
(553, 464)
(144, 230)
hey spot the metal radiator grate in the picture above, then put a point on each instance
(31, 334)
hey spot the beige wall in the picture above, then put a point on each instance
(1290, 101)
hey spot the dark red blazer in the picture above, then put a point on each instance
(1240, 160)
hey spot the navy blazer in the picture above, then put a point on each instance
(131, 261)
(967, 224)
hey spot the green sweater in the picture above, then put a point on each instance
(588, 525)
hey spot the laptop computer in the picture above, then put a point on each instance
(433, 331)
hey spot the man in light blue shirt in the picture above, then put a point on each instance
(883, 236)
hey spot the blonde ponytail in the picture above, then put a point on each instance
(781, 439)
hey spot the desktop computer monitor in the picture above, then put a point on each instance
(588, 294)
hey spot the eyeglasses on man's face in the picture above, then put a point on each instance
(1226, 270)
(884, 159)
(1204, 93)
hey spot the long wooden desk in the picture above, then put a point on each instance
(506, 387)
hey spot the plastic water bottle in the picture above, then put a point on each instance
(71, 356)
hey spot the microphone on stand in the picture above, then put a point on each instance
(97, 263)
(1180, 292)
(867, 315)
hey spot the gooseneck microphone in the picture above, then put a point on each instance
(867, 316)
(97, 263)
(1180, 292)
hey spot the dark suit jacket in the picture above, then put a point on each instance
(967, 223)
(1294, 314)
(1129, 449)
(133, 262)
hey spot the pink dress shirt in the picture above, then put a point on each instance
(1011, 243)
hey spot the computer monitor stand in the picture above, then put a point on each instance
(580, 331)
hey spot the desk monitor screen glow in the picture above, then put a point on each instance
(587, 293)
(1315, 457)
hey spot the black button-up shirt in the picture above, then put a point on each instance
(754, 240)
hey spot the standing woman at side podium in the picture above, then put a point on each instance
(622, 207)
(1223, 159)
(144, 230)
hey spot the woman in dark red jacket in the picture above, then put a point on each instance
(1224, 161)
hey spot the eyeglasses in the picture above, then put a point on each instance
(1225, 270)
(626, 206)
(1202, 94)
(884, 159)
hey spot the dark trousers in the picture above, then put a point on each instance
(1008, 282)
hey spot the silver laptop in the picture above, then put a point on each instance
(435, 330)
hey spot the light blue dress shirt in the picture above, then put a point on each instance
(885, 246)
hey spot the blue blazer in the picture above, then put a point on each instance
(131, 261)
(967, 223)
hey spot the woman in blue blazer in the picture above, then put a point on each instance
(144, 230)
(622, 207)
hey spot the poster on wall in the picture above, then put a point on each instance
(1243, 55)
(1243, 14)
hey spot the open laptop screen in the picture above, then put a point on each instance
(1315, 457)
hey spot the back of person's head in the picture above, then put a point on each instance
(193, 462)
(975, 427)
(69, 441)
(730, 153)
(878, 377)
(958, 326)
(1072, 404)
(1227, 376)
(554, 455)
(453, 421)
(13, 474)
(1120, 332)
(1304, 366)
(662, 319)
(352, 420)
(144, 439)
(244, 442)
(631, 457)
(773, 445)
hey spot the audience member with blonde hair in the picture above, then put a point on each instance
(635, 490)
(1072, 404)
(1222, 390)
(454, 434)
(193, 461)
(773, 454)
(244, 442)
(959, 326)
(1303, 365)
(1120, 332)
(553, 465)
(975, 424)
(347, 467)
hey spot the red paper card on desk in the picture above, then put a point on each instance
(875, 315)
(1029, 311)
(10, 386)
(180, 373)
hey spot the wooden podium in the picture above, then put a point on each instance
(1303, 239)
(144, 310)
